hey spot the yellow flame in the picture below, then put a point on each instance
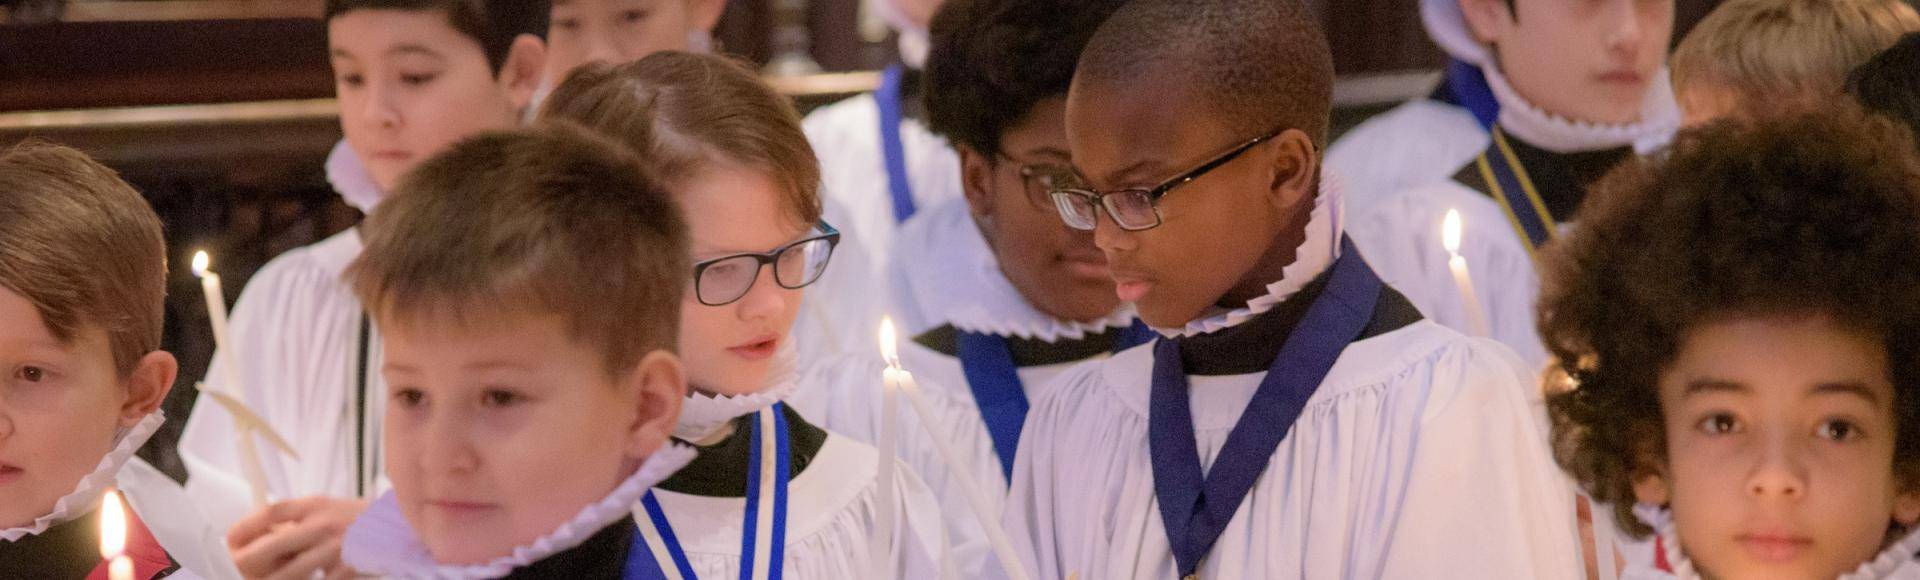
(113, 527)
(1450, 232)
(201, 263)
(888, 350)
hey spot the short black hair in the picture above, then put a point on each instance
(1262, 64)
(1889, 84)
(492, 23)
(1815, 213)
(991, 61)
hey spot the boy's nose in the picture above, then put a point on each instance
(1624, 32)
(447, 448)
(766, 299)
(1109, 236)
(6, 421)
(1779, 474)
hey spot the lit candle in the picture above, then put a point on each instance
(113, 538)
(1450, 237)
(243, 429)
(889, 427)
(962, 475)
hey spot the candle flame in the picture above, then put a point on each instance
(201, 263)
(113, 527)
(889, 350)
(1450, 232)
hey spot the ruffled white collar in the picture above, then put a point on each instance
(1659, 119)
(382, 543)
(702, 414)
(949, 269)
(350, 179)
(1315, 254)
(1896, 561)
(86, 494)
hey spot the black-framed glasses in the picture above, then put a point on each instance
(724, 280)
(1133, 209)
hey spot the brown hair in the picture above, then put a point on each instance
(549, 219)
(1814, 213)
(683, 111)
(83, 247)
(1769, 55)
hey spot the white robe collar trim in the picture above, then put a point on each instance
(1659, 119)
(702, 414)
(86, 494)
(954, 274)
(351, 180)
(382, 543)
(1315, 254)
(1895, 559)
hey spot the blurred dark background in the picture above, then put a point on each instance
(220, 112)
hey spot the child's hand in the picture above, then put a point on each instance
(293, 539)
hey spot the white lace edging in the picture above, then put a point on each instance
(1314, 255)
(1889, 561)
(950, 266)
(1659, 119)
(351, 180)
(382, 543)
(86, 494)
(702, 414)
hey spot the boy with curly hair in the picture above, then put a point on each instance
(1739, 322)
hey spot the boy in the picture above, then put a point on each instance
(83, 277)
(617, 31)
(412, 77)
(1752, 58)
(1347, 438)
(527, 284)
(1744, 369)
(1888, 84)
(1581, 88)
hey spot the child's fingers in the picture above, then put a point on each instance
(264, 520)
(268, 554)
(318, 558)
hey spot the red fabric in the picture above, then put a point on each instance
(1660, 555)
(150, 560)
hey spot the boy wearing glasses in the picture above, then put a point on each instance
(1299, 419)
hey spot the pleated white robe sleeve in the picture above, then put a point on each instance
(845, 397)
(1400, 236)
(853, 172)
(1418, 457)
(295, 330)
(832, 509)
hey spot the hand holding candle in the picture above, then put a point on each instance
(1450, 237)
(245, 421)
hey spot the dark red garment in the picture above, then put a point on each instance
(71, 551)
(150, 560)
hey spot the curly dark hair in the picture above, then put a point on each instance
(1814, 213)
(993, 60)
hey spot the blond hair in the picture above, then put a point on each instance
(1780, 54)
(83, 248)
(547, 220)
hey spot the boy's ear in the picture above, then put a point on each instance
(704, 15)
(1486, 19)
(147, 388)
(525, 66)
(1906, 508)
(661, 384)
(1296, 168)
(976, 179)
(1651, 489)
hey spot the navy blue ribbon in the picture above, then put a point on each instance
(1196, 506)
(1513, 188)
(1466, 86)
(641, 563)
(994, 379)
(894, 151)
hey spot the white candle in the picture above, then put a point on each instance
(216, 298)
(113, 538)
(962, 475)
(883, 472)
(1450, 237)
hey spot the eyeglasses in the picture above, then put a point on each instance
(726, 279)
(1040, 179)
(1134, 209)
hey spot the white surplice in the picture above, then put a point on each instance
(1421, 455)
